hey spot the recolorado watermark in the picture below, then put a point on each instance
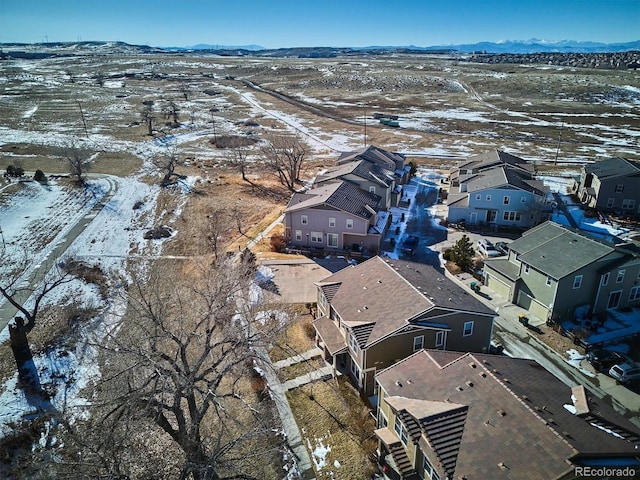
(603, 472)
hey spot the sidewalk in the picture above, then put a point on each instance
(299, 358)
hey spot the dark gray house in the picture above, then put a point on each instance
(611, 185)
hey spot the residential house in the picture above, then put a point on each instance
(336, 216)
(485, 161)
(376, 313)
(552, 269)
(395, 162)
(449, 415)
(367, 176)
(611, 185)
(502, 196)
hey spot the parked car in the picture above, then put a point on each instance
(409, 244)
(625, 372)
(605, 359)
(486, 248)
(502, 248)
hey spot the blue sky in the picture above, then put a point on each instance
(292, 23)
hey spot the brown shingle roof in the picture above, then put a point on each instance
(330, 335)
(516, 415)
(388, 294)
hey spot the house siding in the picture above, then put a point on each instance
(478, 209)
(318, 221)
(630, 191)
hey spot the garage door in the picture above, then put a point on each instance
(534, 307)
(498, 286)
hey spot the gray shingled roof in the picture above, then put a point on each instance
(515, 417)
(557, 251)
(505, 176)
(340, 195)
(390, 293)
(491, 159)
(371, 153)
(360, 168)
(613, 167)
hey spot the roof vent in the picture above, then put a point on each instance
(469, 383)
(524, 397)
(459, 389)
(506, 380)
(483, 375)
(503, 466)
(472, 365)
(502, 413)
(398, 383)
(379, 281)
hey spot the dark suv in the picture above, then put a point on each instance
(605, 359)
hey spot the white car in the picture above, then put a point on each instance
(625, 372)
(486, 248)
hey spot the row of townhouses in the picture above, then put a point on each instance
(347, 207)
(415, 343)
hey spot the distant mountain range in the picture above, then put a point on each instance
(533, 45)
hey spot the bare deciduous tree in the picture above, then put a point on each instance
(239, 158)
(78, 160)
(148, 115)
(171, 111)
(285, 155)
(217, 223)
(167, 164)
(18, 292)
(184, 366)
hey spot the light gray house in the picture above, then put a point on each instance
(368, 176)
(502, 195)
(374, 314)
(551, 270)
(485, 161)
(336, 216)
(611, 185)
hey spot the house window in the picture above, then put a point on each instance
(304, 219)
(316, 237)
(383, 421)
(620, 277)
(628, 204)
(401, 430)
(619, 188)
(439, 339)
(478, 196)
(298, 235)
(577, 282)
(614, 299)
(511, 216)
(506, 200)
(548, 281)
(523, 199)
(353, 343)
(429, 472)
(605, 279)
(526, 269)
(372, 189)
(355, 371)
(349, 223)
(635, 293)
(332, 240)
(610, 202)
(418, 343)
(332, 222)
(488, 198)
(468, 329)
